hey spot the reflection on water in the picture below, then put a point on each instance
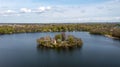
(20, 50)
(58, 50)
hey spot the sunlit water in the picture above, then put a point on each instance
(20, 50)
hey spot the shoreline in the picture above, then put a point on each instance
(109, 36)
(106, 35)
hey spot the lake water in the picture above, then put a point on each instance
(20, 50)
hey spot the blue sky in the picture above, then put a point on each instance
(54, 11)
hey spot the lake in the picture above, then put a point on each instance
(20, 50)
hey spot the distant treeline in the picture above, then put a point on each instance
(112, 29)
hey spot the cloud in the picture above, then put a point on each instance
(8, 13)
(42, 9)
(36, 10)
(25, 10)
(18, 12)
(108, 10)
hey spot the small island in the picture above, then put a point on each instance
(60, 41)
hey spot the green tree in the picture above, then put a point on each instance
(58, 37)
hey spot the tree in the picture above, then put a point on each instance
(58, 37)
(70, 39)
(63, 36)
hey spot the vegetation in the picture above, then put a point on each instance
(116, 32)
(111, 29)
(58, 42)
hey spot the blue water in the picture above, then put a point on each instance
(20, 50)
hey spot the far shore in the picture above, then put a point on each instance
(113, 30)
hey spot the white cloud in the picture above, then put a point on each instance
(29, 11)
(35, 10)
(42, 9)
(48, 7)
(25, 10)
(8, 13)
(117, 18)
(107, 11)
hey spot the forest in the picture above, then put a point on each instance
(112, 29)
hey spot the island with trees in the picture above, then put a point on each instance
(60, 41)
